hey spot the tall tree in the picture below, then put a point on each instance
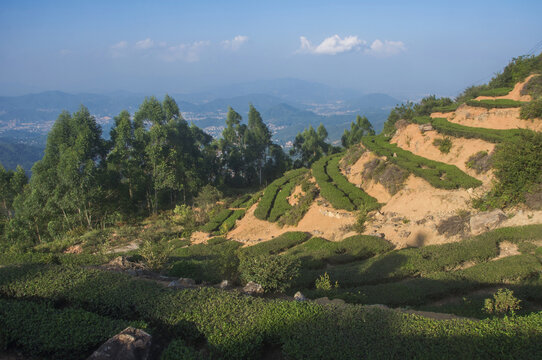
(361, 127)
(258, 142)
(310, 145)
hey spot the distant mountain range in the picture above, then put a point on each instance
(287, 105)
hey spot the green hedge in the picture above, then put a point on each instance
(438, 174)
(241, 201)
(436, 285)
(447, 108)
(178, 350)
(317, 252)
(268, 199)
(51, 258)
(276, 245)
(357, 196)
(229, 223)
(401, 264)
(328, 189)
(491, 135)
(39, 329)
(496, 91)
(212, 262)
(217, 220)
(281, 204)
(492, 104)
(235, 326)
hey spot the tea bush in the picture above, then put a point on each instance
(276, 245)
(267, 201)
(495, 104)
(438, 174)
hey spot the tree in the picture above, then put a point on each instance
(232, 147)
(361, 127)
(258, 141)
(310, 145)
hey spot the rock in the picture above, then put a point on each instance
(182, 283)
(485, 221)
(299, 296)
(74, 249)
(317, 232)
(129, 344)
(404, 234)
(225, 284)
(252, 288)
(425, 127)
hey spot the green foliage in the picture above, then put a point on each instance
(492, 135)
(38, 329)
(317, 252)
(526, 247)
(155, 254)
(495, 91)
(403, 111)
(217, 220)
(212, 262)
(229, 223)
(438, 174)
(239, 327)
(431, 104)
(517, 70)
(267, 201)
(495, 104)
(272, 272)
(361, 127)
(503, 302)
(178, 350)
(517, 165)
(276, 245)
(310, 145)
(532, 109)
(323, 283)
(444, 145)
(51, 258)
(296, 212)
(352, 155)
(335, 188)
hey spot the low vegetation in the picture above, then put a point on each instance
(336, 188)
(495, 104)
(438, 174)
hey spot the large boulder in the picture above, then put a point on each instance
(129, 344)
(253, 288)
(486, 220)
(426, 127)
(299, 296)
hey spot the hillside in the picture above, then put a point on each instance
(424, 241)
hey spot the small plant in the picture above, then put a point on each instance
(444, 145)
(155, 254)
(359, 225)
(503, 302)
(324, 283)
(184, 215)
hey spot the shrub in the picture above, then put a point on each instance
(281, 204)
(443, 126)
(481, 162)
(492, 104)
(526, 247)
(389, 175)
(517, 165)
(323, 283)
(155, 254)
(502, 91)
(296, 213)
(268, 199)
(531, 110)
(276, 245)
(230, 222)
(503, 302)
(444, 145)
(272, 272)
(217, 220)
(41, 330)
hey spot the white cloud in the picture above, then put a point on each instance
(236, 43)
(332, 45)
(120, 45)
(144, 44)
(386, 48)
(185, 52)
(119, 49)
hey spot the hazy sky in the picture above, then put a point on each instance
(404, 48)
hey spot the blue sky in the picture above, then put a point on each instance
(404, 48)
